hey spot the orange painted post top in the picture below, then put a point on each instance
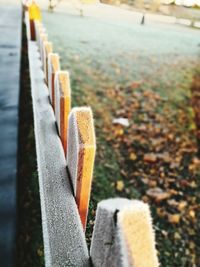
(137, 235)
(81, 147)
(62, 104)
(53, 66)
(34, 14)
(47, 48)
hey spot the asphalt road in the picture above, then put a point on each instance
(10, 48)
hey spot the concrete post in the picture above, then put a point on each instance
(62, 104)
(47, 48)
(39, 29)
(53, 66)
(43, 38)
(123, 235)
(81, 148)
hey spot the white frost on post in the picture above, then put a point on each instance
(123, 235)
(57, 99)
(43, 38)
(38, 27)
(57, 87)
(41, 30)
(73, 148)
(47, 48)
(51, 72)
(27, 22)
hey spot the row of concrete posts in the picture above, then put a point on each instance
(65, 144)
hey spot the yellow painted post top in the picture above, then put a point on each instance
(34, 11)
(64, 83)
(55, 62)
(85, 127)
(48, 47)
(137, 235)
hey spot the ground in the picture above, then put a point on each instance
(146, 74)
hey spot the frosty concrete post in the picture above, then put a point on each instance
(81, 148)
(123, 235)
(47, 48)
(53, 66)
(28, 27)
(39, 28)
(62, 104)
(37, 25)
(43, 38)
(63, 236)
(41, 31)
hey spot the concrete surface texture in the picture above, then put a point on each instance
(10, 48)
(64, 241)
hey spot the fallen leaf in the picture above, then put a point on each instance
(119, 132)
(122, 121)
(158, 194)
(150, 158)
(120, 185)
(174, 218)
(133, 156)
(192, 214)
(135, 85)
(182, 205)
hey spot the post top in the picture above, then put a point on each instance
(48, 46)
(44, 36)
(64, 82)
(137, 236)
(85, 126)
(54, 60)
